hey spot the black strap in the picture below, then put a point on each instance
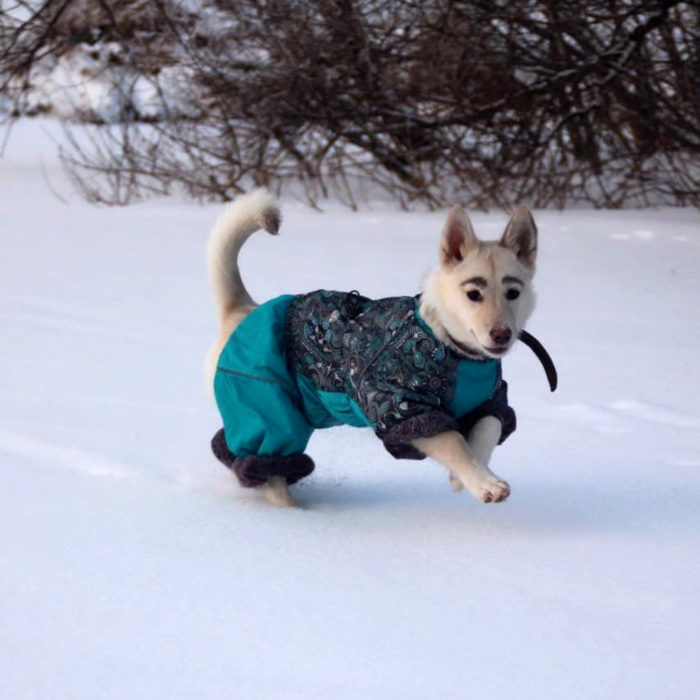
(543, 356)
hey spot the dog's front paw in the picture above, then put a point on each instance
(491, 489)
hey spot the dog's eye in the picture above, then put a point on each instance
(474, 295)
(512, 294)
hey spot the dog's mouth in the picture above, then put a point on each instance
(492, 350)
(496, 350)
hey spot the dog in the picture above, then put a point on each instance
(399, 365)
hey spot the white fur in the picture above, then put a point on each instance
(451, 314)
(467, 461)
(236, 223)
(276, 492)
(445, 306)
(444, 303)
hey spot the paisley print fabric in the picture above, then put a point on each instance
(375, 351)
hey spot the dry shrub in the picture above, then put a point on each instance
(483, 102)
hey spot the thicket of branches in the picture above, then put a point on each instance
(484, 102)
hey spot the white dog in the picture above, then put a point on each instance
(424, 372)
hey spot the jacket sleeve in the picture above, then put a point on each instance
(400, 416)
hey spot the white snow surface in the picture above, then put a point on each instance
(131, 566)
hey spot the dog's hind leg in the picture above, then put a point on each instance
(276, 492)
(482, 441)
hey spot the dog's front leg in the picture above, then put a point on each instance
(468, 462)
(482, 441)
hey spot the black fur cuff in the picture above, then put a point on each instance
(398, 439)
(221, 450)
(255, 471)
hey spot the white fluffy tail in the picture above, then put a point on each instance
(239, 219)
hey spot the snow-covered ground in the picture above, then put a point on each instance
(132, 567)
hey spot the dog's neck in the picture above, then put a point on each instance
(431, 317)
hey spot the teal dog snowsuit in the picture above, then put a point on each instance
(316, 360)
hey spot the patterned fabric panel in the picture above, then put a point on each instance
(375, 351)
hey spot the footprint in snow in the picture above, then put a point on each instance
(639, 234)
(72, 458)
(597, 417)
(654, 414)
(620, 416)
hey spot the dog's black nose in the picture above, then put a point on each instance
(501, 335)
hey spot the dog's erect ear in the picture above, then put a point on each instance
(458, 237)
(521, 236)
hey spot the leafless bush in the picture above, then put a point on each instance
(482, 102)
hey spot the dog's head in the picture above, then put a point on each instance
(482, 292)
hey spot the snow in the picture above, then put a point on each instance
(132, 566)
(93, 83)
